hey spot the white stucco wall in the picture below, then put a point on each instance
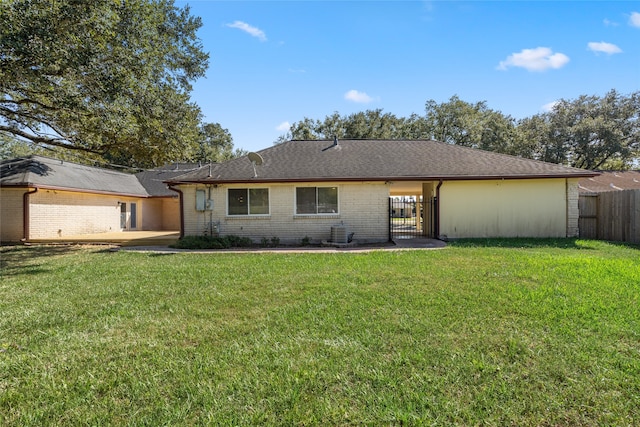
(363, 208)
(11, 214)
(504, 208)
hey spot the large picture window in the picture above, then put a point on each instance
(248, 201)
(316, 200)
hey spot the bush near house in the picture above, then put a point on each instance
(212, 242)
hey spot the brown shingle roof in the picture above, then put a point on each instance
(38, 171)
(610, 181)
(154, 180)
(371, 160)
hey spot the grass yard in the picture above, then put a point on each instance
(501, 332)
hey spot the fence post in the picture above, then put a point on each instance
(635, 217)
(390, 218)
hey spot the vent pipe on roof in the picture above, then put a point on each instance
(335, 140)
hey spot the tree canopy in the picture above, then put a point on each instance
(370, 124)
(107, 78)
(589, 132)
(215, 144)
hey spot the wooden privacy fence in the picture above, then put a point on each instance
(611, 215)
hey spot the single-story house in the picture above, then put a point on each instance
(43, 198)
(306, 189)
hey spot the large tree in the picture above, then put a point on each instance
(11, 147)
(471, 125)
(589, 132)
(453, 122)
(215, 144)
(593, 132)
(369, 124)
(109, 78)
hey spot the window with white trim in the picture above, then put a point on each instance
(316, 200)
(248, 201)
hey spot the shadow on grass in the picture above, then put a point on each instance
(160, 254)
(635, 246)
(537, 243)
(29, 260)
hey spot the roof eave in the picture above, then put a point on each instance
(211, 181)
(75, 190)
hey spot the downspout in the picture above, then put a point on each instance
(180, 197)
(25, 214)
(436, 221)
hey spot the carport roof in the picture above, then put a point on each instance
(375, 160)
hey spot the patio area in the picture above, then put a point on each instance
(121, 238)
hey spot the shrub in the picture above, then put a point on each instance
(210, 242)
(238, 242)
(270, 243)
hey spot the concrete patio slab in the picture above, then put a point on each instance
(121, 238)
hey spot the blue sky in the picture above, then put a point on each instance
(275, 62)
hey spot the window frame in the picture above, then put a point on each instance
(317, 204)
(248, 203)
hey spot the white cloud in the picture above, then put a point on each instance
(283, 127)
(604, 47)
(548, 107)
(609, 23)
(253, 31)
(634, 19)
(538, 59)
(359, 97)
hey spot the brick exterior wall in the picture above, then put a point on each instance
(55, 213)
(363, 209)
(573, 213)
(11, 214)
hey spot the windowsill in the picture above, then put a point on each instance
(316, 216)
(243, 217)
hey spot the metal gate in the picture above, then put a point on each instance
(409, 218)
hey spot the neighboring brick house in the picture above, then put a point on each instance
(44, 198)
(301, 189)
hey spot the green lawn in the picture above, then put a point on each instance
(511, 332)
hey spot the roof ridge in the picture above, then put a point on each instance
(34, 157)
